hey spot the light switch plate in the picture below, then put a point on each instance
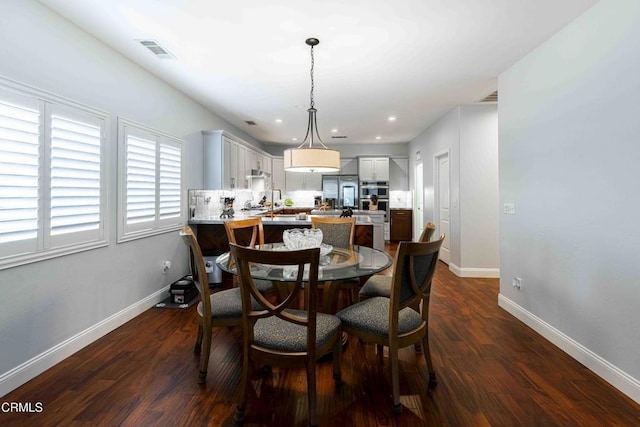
(510, 208)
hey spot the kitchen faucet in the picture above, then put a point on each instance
(273, 200)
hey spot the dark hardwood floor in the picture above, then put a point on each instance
(492, 371)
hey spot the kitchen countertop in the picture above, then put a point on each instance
(337, 212)
(277, 220)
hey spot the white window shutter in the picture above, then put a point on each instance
(75, 176)
(141, 180)
(170, 181)
(19, 170)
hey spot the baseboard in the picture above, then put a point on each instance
(30, 369)
(608, 372)
(485, 273)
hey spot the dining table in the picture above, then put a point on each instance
(336, 265)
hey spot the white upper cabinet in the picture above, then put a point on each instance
(373, 168)
(303, 181)
(227, 160)
(277, 171)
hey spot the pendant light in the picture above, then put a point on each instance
(308, 157)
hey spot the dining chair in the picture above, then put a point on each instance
(393, 321)
(276, 334)
(222, 308)
(248, 232)
(339, 233)
(380, 285)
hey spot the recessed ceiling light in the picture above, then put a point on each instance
(334, 130)
(278, 120)
(378, 137)
(294, 139)
(392, 118)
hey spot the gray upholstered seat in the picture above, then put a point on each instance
(372, 316)
(376, 286)
(224, 304)
(338, 234)
(227, 304)
(278, 334)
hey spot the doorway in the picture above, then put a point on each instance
(441, 203)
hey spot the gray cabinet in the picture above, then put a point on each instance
(373, 168)
(295, 181)
(227, 160)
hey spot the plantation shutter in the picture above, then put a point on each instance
(75, 193)
(20, 139)
(170, 181)
(141, 180)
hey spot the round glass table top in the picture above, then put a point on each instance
(338, 264)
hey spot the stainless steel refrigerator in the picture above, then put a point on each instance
(343, 189)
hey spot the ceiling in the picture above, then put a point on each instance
(247, 60)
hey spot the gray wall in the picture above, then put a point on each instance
(80, 297)
(469, 134)
(569, 150)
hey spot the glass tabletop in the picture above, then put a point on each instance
(339, 264)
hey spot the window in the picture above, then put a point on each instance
(150, 182)
(51, 176)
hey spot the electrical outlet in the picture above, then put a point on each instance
(517, 283)
(166, 266)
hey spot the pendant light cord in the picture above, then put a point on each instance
(312, 83)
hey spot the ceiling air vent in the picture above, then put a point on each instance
(339, 137)
(250, 123)
(155, 48)
(492, 97)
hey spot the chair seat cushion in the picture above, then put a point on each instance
(372, 316)
(376, 286)
(263, 285)
(225, 304)
(277, 334)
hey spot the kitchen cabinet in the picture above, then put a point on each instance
(227, 160)
(373, 168)
(399, 174)
(401, 224)
(277, 173)
(295, 181)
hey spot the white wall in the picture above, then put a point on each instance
(569, 150)
(52, 308)
(469, 135)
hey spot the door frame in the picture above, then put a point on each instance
(418, 199)
(436, 192)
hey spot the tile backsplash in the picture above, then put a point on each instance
(401, 199)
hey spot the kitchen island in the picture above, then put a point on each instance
(212, 235)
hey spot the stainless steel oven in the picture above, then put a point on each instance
(383, 205)
(374, 188)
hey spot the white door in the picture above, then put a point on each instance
(418, 218)
(442, 204)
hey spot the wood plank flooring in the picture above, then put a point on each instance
(492, 371)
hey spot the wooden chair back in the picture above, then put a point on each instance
(337, 232)
(301, 279)
(198, 271)
(246, 232)
(414, 267)
(427, 233)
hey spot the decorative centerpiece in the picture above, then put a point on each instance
(305, 238)
(302, 238)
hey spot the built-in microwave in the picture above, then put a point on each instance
(374, 188)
